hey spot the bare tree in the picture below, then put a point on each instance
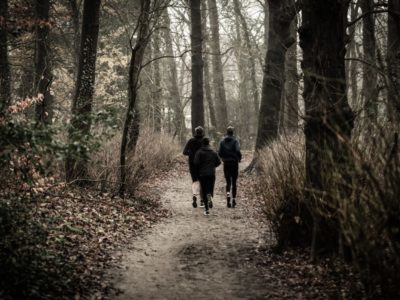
(197, 65)
(281, 15)
(76, 168)
(217, 74)
(173, 82)
(130, 133)
(251, 56)
(207, 75)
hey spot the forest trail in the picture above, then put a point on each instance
(192, 256)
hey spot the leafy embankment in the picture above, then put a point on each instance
(58, 243)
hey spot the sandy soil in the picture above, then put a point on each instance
(193, 256)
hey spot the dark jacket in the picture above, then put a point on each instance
(192, 146)
(206, 160)
(229, 149)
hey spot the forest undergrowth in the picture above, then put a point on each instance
(366, 214)
(57, 240)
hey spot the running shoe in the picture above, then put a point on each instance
(207, 213)
(209, 199)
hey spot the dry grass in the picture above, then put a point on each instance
(368, 216)
(155, 152)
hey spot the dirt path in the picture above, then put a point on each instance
(192, 256)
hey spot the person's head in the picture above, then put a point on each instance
(199, 131)
(205, 142)
(230, 130)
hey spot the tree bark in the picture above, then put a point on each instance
(43, 75)
(76, 168)
(197, 65)
(130, 132)
(179, 120)
(328, 117)
(291, 93)
(281, 15)
(370, 77)
(5, 88)
(393, 61)
(217, 74)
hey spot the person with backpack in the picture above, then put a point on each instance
(192, 146)
(206, 161)
(229, 151)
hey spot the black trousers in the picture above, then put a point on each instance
(231, 172)
(207, 187)
(193, 171)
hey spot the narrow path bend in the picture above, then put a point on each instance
(192, 256)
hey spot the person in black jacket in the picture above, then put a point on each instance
(206, 160)
(229, 151)
(190, 150)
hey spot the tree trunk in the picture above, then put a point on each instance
(252, 61)
(281, 15)
(73, 6)
(242, 63)
(82, 103)
(43, 76)
(130, 132)
(217, 74)
(174, 87)
(393, 61)
(291, 94)
(5, 88)
(370, 75)
(207, 76)
(329, 119)
(351, 65)
(197, 65)
(157, 82)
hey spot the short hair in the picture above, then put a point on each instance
(199, 131)
(230, 130)
(206, 141)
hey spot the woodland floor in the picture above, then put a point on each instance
(222, 256)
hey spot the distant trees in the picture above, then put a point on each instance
(79, 132)
(217, 74)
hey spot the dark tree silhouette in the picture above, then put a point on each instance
(76, 168)
(197, 65)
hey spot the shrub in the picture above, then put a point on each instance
(368, 216)
(281, 182)
(154, 152)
